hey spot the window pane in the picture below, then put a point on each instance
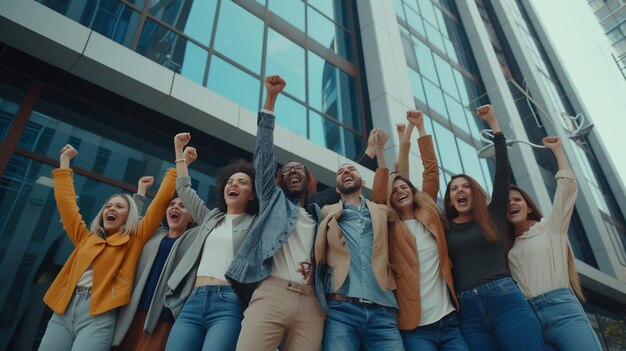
(291, 11)
(416, 85)
(414, 20)
(425, 61)
(488, 175)
(435, 98)
(446, 79)
(287, 59)
(333, 92)
(426, 8)
(334, 9)
(233, 83)
(110, 18)
(456, 113)
(471, 163)
(332, 136)
(434, 37)
(172, 51)
(240, 36)
(447, 149)
(322, 30)
(291, 115)
(193, 17)
(10, 100)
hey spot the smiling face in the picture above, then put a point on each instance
(518, 209)
(178, 218)
(294, 179)
(238, 192)
(461, 195)
(348, 179)
(401, 195)
(115, 214)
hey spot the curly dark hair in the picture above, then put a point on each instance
(236, 166)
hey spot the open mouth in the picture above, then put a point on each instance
(347, 178)
(233, 193)
(111, 217)
(461, 199)
(403, 197)
(514, 210)
(174, 214)
(294, 179)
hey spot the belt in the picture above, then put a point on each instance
(81, 290)
(339, 297)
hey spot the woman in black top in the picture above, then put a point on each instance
(493, 313)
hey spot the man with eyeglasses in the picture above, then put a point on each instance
(353, 273)
(276, 254)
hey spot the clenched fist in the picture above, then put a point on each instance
(274, 84)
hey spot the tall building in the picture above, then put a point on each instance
(118, 78)
(612, 17)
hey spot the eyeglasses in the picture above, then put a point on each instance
(296, 168)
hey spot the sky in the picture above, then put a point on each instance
(585, 51)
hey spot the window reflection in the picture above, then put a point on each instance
(328, 134)
(456, 113)
(416, 85)
(240, 36)
(471, 163)
(291, 115)
(425, 60)
(446, 78)
(435, 98)
(448, 151)
(333, 92)
(8, 110)
(193, 17)
(234, 84)
(172, 51)
(286, 58)
(324, 31)
(334, 9)
(291, 11)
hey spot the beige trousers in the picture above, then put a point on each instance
(282, 310)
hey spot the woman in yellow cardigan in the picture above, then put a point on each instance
(97, 277)
(418, 251)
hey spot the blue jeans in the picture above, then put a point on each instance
(210, 320)
(77, 330)
(565, 324)
(350, 325)
(496, 316)
(444, 334)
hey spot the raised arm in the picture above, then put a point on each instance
(566, 187)
(381, 178)
(264, 159)
(430, 177)
(139, 198)
(501, 182)
(187, 194)
(156, 210)
(65, 197)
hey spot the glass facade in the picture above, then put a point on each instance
(445, 84)
(229, 46)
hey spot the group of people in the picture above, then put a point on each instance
(277, 265)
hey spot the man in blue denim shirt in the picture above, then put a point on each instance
(353, 271)
(276, 254)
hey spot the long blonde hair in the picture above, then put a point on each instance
(132, 221)
(536, 215)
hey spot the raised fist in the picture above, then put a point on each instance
(68, 152)
(486, 113)
(415, 117)
(274, 84)
(381, 139)
(181, 139)
(371, 140)
(400, 129)
(552, 143)
(146, 182)
(190, 155)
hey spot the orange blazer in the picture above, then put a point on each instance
(113, 260)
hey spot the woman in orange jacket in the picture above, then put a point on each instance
(418, 251)
(97, 277)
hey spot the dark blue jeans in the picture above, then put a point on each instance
(445, 334)
(565, 324)
(495, 316)
(210, 320)
(360, 326)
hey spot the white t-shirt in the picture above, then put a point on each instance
(218, 254)
(434, 296)
(293, 260)
(86, 279)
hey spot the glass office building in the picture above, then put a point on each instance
(118, 78)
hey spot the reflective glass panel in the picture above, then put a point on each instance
(434, 37)
(448, 152)
(426, 8)
(286, 58)
(291, 11)
(193, 17)
(471, 163)
(333, 92)
(10, 100)
(234, 84)
(398, 7)
(172, 51)
(332, 136)
(324, 31)
(414, 20)
(291, 115)
(425, 61)
(239, 36)
(335, 9)
(488, 176)
(110, 18)
(456, 113)
(446, 78)
(416, 85)
(435, 98)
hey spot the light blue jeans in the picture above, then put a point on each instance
(564, 322)
(360, 326)
(210, 320)
(77, 330)
(444, 334)
(495, 316)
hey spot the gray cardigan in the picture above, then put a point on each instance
(126, 314)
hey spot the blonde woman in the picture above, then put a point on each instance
(97, 277)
